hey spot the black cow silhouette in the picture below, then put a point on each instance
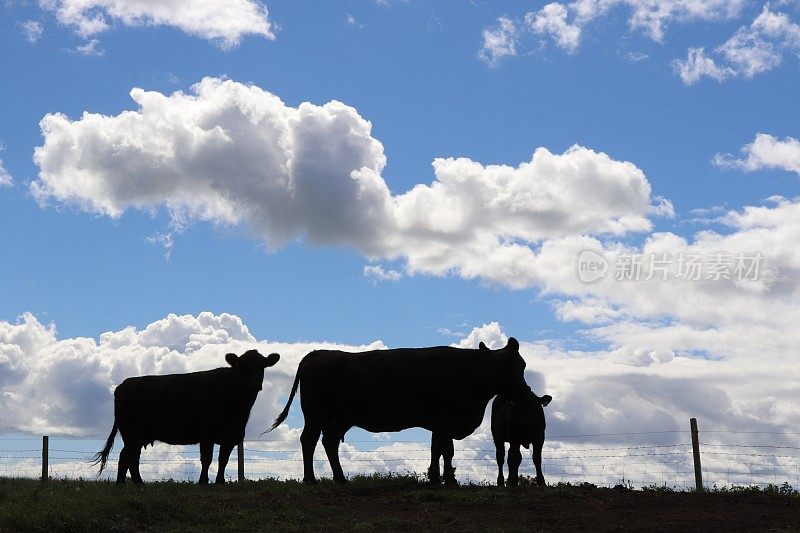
(209, 407)
(518, 424)
(442, 389)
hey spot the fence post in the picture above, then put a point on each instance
(698, 472)
(45, 456)
(240, 454)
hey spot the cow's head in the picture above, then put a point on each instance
(511, 370)
(251, 365)
(532, 412)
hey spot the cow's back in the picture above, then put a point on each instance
(179, 408)
(391, 390)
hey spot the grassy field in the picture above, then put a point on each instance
(384, 503)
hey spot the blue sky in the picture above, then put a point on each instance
(414, 72)
(423, 75)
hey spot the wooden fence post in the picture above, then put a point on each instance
(45, 456)
(240, 454)
(698, 471)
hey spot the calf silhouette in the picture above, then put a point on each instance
(518, 425)
(442, 389)
(210, 407)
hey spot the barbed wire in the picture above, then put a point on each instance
(644, 463)
(714, 445)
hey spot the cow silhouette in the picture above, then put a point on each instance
(209, 407)
(518, 424)
(442, 389)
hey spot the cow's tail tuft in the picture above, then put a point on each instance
(102, 456)
(285, 412)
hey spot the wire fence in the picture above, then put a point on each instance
(725, 462)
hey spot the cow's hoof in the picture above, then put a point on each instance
(450, 482)
(513, 482)
(310, 480)
(540, 482)
(341, 480)
(501, 482)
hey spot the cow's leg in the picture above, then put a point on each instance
(122, 465)
(436, 452)
(514, 460)
(134, 454)
(224, 454)
(331, 436)
(537, 458)
(500, 455)
(448, 472)
(308, 441)
(206, 454)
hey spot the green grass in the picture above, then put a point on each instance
(383, 503)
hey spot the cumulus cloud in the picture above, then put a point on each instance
(225, 23)
(64, 387)
(233, 154)
(713, 314)
(500, 41)
(565, 23)
(750, 51)
(698, 65)
(552, 20)
(491, 334)
(652, 17)
(765, 152)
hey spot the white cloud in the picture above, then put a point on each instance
(32, 30)
(5, 178)
(65, 386)
(490, 334)
(566, 22)
(235, 154)
(351, 21)
(90, 48)
(636, 57)
(500, 41)
(165, 240)
(698, 65)
(552, 20)
(641, 383)
(743, 319)
(750, 51)
(765, 151)
(376, 273)
(652, 17)
(223, 22)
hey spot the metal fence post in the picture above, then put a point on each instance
(240, 454)
(698, 471)
(45, 456)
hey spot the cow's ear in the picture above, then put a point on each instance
(232, 359)
(483, 347)
(546, 399)
(513, 344)
(271, 359)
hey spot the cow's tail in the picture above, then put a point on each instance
(102, 456)
(285, 412)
